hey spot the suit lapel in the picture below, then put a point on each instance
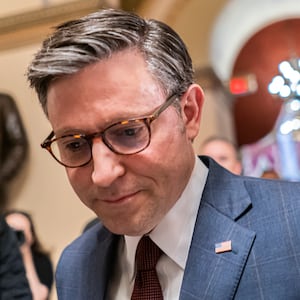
(99, 263)
(216, 276)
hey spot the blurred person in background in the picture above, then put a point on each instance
(13, 145)
(13, 281)
(37, 262)
(223, 151)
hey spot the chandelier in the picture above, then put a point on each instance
(286, 85)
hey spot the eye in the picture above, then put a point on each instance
(71, 144)
(128, 135)
(130, 129)
(130, 132)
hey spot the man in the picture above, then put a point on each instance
(119, 94)
(223, 152)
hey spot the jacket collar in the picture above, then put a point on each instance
(225, 191)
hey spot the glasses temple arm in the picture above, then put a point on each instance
(164, 106)
(47, 139)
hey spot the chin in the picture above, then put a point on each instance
(132, 229)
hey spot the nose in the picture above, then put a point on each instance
(106, 164)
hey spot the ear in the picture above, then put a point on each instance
(191, 107)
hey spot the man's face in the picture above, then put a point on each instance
(129, 193)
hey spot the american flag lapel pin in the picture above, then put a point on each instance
(223, 247)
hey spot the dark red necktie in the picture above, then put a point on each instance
(146, 285)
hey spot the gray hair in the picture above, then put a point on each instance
(78, 43)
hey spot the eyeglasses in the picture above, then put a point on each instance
(126, 137)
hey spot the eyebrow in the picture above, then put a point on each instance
(74, 131)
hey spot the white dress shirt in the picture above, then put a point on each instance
(177, 226)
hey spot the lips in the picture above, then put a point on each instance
(120, 199)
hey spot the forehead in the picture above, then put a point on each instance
(118, 85)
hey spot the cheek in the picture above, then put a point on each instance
(168, 149)
(80, 180)
(164, 162)
(167, 137)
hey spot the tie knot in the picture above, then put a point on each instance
(147, 254)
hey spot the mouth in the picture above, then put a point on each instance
(122, 199)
